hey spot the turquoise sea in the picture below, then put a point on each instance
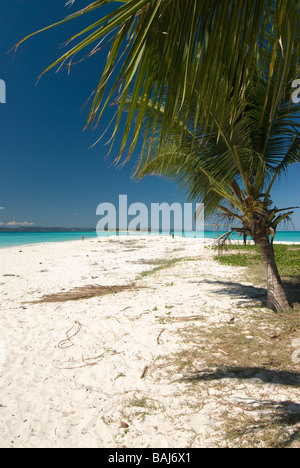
(12, 239)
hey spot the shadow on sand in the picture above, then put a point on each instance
(285, 414)
(249, 294)
(275, 376)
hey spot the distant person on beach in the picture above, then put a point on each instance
(83, 238)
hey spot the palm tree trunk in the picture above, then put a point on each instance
(276, 297)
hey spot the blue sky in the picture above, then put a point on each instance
(50, 175)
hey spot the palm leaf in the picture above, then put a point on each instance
(165, 50)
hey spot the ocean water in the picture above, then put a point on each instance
(13, 239)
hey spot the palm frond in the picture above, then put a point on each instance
(165, 50)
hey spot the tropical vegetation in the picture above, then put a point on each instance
(208, 88)
(161, 52)
(232, 166)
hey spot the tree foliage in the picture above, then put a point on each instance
(232, 164)
(162, 52)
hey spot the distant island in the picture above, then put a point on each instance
(64, 229)
(45, 229)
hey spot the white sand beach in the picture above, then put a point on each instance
(110, 371)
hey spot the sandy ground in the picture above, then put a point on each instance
(95, 372)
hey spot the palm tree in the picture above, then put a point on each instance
(232, 166)
(154, 44)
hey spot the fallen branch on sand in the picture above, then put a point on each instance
(84, 292)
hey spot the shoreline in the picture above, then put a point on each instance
(138, 236)
(101, 239)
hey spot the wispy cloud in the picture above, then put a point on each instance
(16, 223)
(2, 208)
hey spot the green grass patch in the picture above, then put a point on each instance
(287, 258)
(163, 266)
(241, 260)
